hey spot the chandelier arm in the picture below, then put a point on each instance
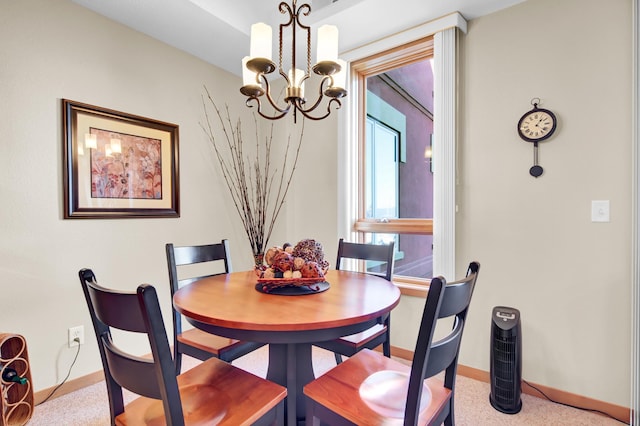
(267, 92)
(310, 117)
(268, 117)
(274, 104)
(258, 104)
(281, 111)
(320, 96)
(286, 77)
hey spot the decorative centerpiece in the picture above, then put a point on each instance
(302, 265)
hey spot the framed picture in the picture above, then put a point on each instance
(118, 165)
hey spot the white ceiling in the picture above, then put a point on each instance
(217, 31)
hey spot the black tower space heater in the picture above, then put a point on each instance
(506, 360)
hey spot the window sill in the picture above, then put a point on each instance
(397, 226)
(412, 289)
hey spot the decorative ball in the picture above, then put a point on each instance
(311, 270)
(269, 273)
(268, 256)
(311, 251)
(282, 261)
(298, 263)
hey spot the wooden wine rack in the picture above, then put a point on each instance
(16, 400)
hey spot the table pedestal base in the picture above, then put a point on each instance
(291, 365)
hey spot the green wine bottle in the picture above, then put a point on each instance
(11, 376)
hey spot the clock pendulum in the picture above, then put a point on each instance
(535, 170)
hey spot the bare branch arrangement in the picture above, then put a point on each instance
(257, 187)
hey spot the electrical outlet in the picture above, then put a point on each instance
(76, 333)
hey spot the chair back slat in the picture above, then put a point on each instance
(116, 309)
(374, 252)
(457, 297)
(136, 375)
(458, 293)
(191, 255)
(188, 255)
(444, 351)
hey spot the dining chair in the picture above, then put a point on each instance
(194, 342)
(213, 392)
(379, 334)
(370, 389)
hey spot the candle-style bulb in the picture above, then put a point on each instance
(327, 43)
(260, 41)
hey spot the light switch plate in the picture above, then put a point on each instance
(600, 211)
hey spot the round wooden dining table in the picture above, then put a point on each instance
(231, 305)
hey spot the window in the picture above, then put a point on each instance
(423, 225)
(396, 182)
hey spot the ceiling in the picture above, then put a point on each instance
(217, 31)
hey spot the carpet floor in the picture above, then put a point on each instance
(89, 406)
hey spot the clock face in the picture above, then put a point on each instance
(537, 125)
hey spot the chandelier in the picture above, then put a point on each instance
(328, 67)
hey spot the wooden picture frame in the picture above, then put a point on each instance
(118, 165)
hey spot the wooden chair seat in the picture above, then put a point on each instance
(360, 340)
(226, 403)
(215, 344)
(343, 382)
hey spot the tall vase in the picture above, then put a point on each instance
(258, 259)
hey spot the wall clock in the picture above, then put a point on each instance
(536, 125)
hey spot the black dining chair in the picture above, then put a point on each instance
(193, 342)
(370, 389)
(379, 334)
(213, 392)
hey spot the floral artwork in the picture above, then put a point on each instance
(133, 173)
(118, 165)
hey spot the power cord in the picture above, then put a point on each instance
(573, 406)
(77, 339)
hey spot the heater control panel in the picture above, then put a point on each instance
(505, 316)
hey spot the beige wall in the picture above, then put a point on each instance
(539, 251)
